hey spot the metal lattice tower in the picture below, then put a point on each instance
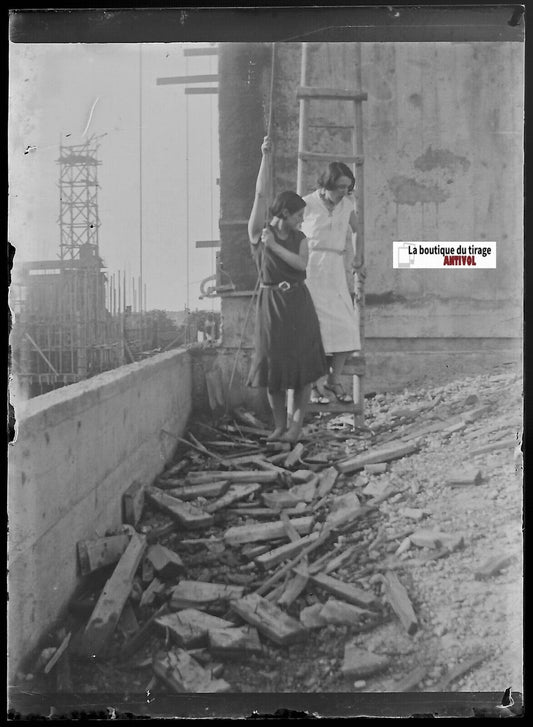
(78, 201)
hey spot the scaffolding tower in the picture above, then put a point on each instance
(78, 198)
(63, 331)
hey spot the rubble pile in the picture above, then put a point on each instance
(385, 557)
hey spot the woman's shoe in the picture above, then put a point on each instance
(338, 391)
(317, 397)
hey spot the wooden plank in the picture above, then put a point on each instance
(209, 489)
(376, 469)
(183, 674)
(267, 531)
(269, 620)
(133, 503)
(166, 563)
(106, 614)
(342, 614)
(291, 531)
(279, 499)
(237, 642)
(294, 455)
(201, 595)
(398, 599)
(305, 492)
(327, 479)
(492, 566)
(150, 593)
(294, 587)
(268, 512)
(278, 555)
(434, 539)
(384, 454)
(346, 591)
(235, 493)
(360, 663)
(332, 93)
(263, 477)
(319, 156)
(95, 554)
(58, 654)
(187, 515)
(189, 627)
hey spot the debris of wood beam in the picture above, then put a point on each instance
(183, 674)
(202, 595)
(278, 555)
(107, 612)
(340, 613)
(187, 515)
(269, 620)
(384, 454)
(95, 554)
(189, 627)
(209, 489)
(263, 477)
(267, 531)
(235, 493)
(346, 591)
(58, 654)
(396, 595)
(237, 642)
(166, 563)
(133, 503)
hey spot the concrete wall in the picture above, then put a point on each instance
(77, 450)
(443, 147)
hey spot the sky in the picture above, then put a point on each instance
(52, 90)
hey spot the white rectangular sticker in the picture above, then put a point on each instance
(456, 255)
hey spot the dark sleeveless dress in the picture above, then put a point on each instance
(288, 347)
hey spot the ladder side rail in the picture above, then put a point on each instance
(303, 121)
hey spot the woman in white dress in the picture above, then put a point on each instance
(329, 222)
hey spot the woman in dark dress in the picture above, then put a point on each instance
(288, 347)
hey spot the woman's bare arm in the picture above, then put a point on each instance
(258, 215)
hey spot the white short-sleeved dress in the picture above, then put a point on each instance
(326, 275)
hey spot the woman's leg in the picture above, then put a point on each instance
(276, 399)
(301, 398)
(334, 380)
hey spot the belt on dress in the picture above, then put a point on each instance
(327, 249)
(283, 286)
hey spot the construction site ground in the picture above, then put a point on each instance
(464, 632)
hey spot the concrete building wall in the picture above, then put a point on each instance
(443, 147)
(77, 450)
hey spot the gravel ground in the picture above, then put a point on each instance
(459, 616)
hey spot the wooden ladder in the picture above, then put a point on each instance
(356, 364)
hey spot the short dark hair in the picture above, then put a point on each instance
(289, 201)
(335, 170)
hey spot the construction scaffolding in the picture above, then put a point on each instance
(63, 330)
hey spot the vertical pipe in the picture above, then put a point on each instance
(358, 393)
(304, 112)
(140, 177)
(187, 175)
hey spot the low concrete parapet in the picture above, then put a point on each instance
(77, 450)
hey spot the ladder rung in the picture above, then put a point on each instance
(319, 156)
(345, 94)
